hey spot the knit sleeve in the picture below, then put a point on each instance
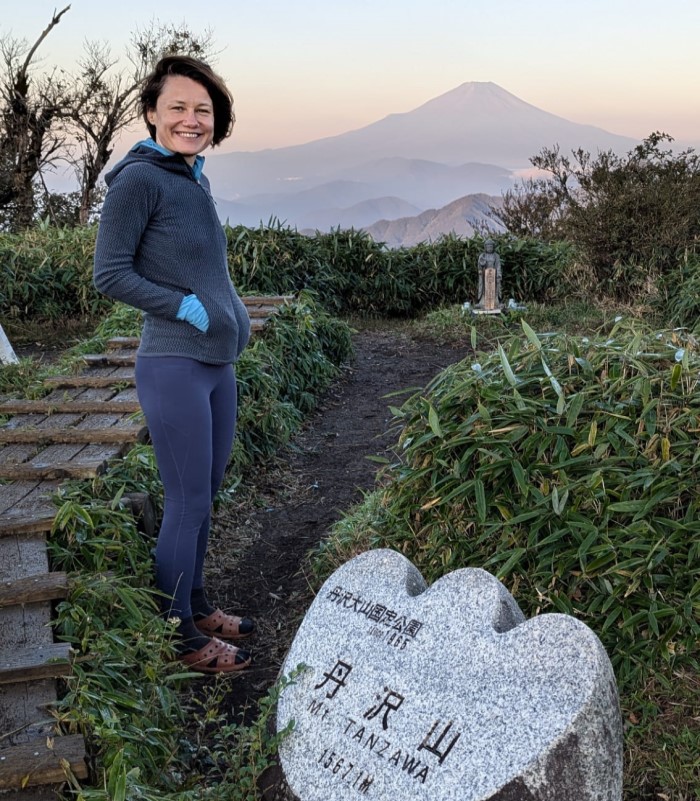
(130, 202)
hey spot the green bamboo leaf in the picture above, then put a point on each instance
(612, 617)
(531, 335)
(519, 402)
(480, 499)
(473, 337)
(434, 422)
(676, 375)
(115, 773)
(563, 498)
(627, 506)
(584, 547)
(601, 561)
(507, 369)
(559, 501)
(512, 560)
(524, 517)
(575, 406)
(592, 433)
(484, 413)
(520, 478)
(653, 622)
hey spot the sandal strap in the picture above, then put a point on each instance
(216, 657)
(220, 624)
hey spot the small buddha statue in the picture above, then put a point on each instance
(489, 292)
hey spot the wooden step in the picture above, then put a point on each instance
(41, 762)
(11, 525)
(257, 323)
(27, 434)
(51, 472)
(110, 359)
(89, 381)
(69, 407)
(123, 342)
(261, 312)
(33, 589)
(266, 300)
(37, 662)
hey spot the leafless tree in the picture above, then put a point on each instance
(52, 116)
(30, 109)
(106, 98)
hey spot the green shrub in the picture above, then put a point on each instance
(46, 274)
(631, 218)
(569, 468)
(679, 293)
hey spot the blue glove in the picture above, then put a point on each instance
(192, 312)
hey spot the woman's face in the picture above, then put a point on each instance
(183, 117)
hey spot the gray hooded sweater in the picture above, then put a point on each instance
(160, 239)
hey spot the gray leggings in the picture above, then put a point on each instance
(190, 409)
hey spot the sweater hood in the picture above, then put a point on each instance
(143, 152)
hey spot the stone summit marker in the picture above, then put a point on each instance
(445, 693)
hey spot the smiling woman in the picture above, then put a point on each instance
(185, 100)
(161, 248)
(183, 118)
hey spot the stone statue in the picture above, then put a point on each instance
(489, 266)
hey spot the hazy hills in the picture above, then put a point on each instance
(469, 141)
(462, 217)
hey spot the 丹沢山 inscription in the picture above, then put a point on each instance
(474, 700)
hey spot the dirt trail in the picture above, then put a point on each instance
(256, 554)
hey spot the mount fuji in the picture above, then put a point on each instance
(470, 140)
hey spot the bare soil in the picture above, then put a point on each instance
(257, 552)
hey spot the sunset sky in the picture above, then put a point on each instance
(312, 68)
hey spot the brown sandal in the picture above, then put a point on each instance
(225, 627)
(217, 657)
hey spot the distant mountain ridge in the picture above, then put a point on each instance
(467, 141)
(463, 217)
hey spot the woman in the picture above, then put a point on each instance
(161, 248)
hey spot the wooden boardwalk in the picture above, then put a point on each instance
(85, 422)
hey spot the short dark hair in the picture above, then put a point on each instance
(196, 70)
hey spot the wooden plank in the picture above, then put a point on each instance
(21, 453)
(27, 664)
(123, 342)
(69, 407)
(89, 381)
(103, 359)
(25, 628)
(23, 557)
(261, 312)
(14, 524)
(50, 472)
(40, 762)
(274, 300)
(34, 589)
(26, 507)
(13, 494)
(132, 433)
